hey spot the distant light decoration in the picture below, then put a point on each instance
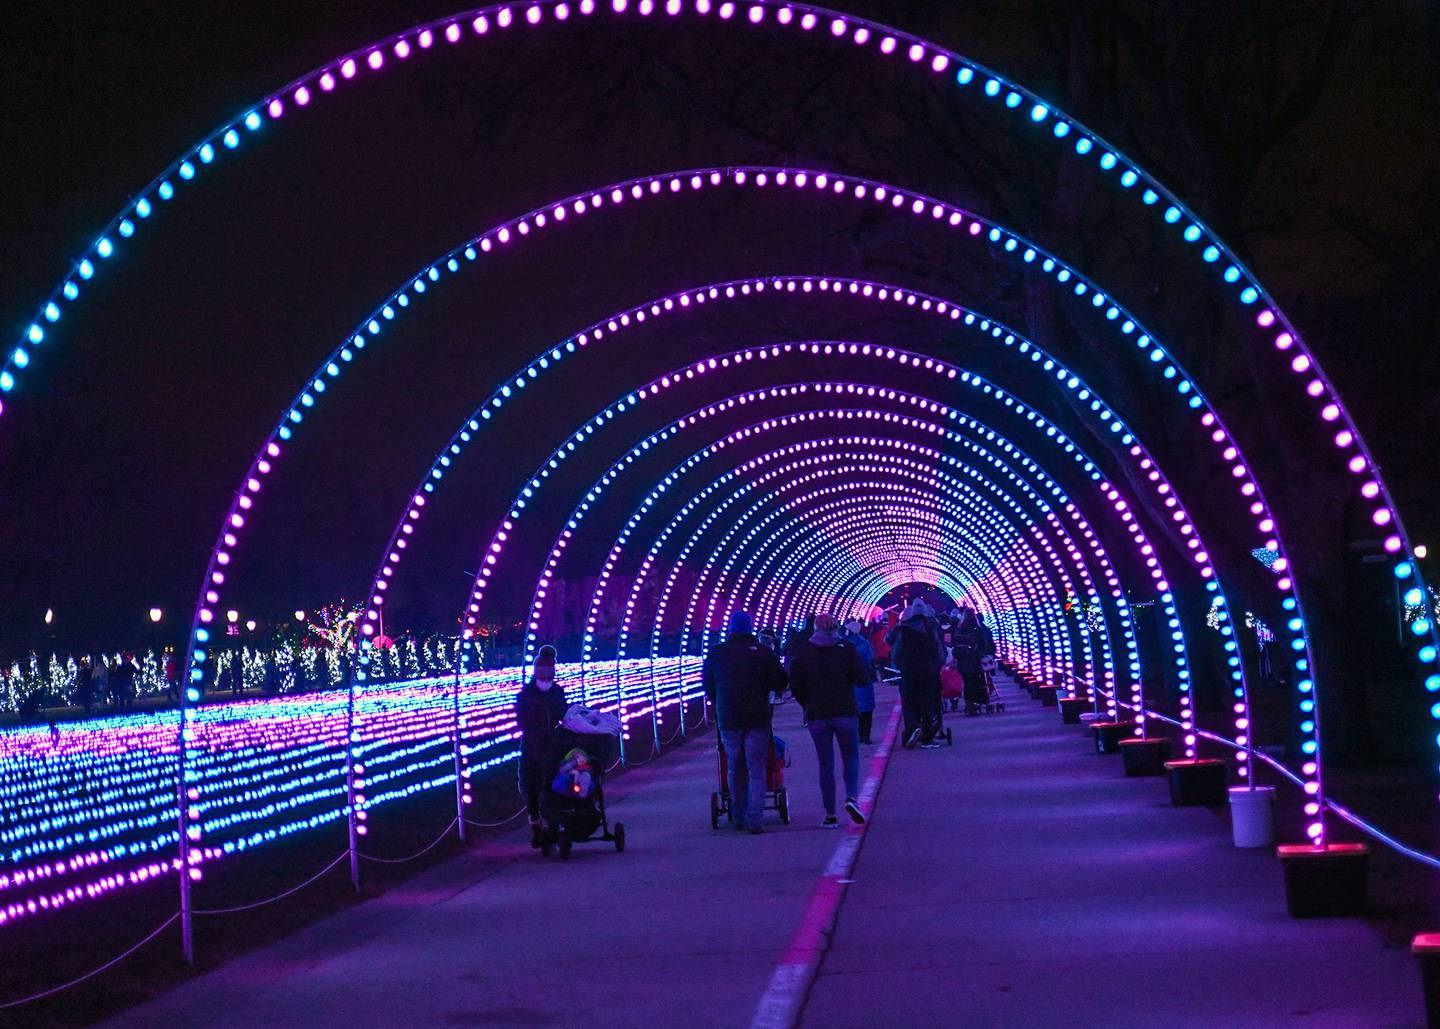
(49, 616)
(1265, 556)
(299, 616)
(1264, 635)
(1417, 610)
(156, 614)
(1215, 617)
(232, 616)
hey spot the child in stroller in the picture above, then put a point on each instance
(572, 808)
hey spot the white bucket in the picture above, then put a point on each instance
(1252, 815)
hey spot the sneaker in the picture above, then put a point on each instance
(754, 830)
(932, 745)
(831, 822)
(912, 739)
(853, 810)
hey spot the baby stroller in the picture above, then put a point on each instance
(777, 797)
(571, 816)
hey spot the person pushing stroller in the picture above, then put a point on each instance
(739, 676)
(538, 707)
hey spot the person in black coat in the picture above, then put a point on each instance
(917, 650)
(739, 676)
(970, 641)
(823, 677)
(539, 706)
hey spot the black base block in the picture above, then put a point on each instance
(1326, 882)
(1145, 757)
(1197, 782)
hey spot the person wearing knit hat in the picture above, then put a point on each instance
(538, 709)
(739, 675)
(917, 654)
(864, 695)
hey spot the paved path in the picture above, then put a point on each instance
(1021, 880)
(1014, 880)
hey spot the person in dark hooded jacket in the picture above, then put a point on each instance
(538, 709)
(917, 653)
(823, 677)
(969, 644)
(739, 676)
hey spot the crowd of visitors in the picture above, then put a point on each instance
(830, 669)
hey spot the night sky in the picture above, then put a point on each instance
(1306, 133)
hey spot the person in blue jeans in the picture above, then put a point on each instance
(739, 676)
(823, 676)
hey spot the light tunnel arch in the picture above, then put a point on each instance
(793, 473)
(796, 589)
(861, 31)
(1182, 674)
(694, 299)
(985, 480)
(866, 496)
(917, 207)
(1002, 517)
(983, 521)
(866, 499)
(670, 582)
(1043, 480)
(1040, 115)
(571, 525)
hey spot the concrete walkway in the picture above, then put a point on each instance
(1021, 880)
(1014, 880)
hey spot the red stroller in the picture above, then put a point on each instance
(777, 797)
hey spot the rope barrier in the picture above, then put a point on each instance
(492, 825)
(279, 896)
(94, 972)
(419, 853)
(1340, 810)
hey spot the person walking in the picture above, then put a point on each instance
(739, 676)
(864, 695)
(968, 647)
(916, 652)
(122, 682)
(539, 706)
(99, 681)
(823, 677)
(84, 686)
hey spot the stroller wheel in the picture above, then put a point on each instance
(714, 810)
(619, 835)
(564, 845)
(782, 805)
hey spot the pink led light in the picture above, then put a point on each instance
(375, 59)
(276, 108)
(302, 96)
(347, 68)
